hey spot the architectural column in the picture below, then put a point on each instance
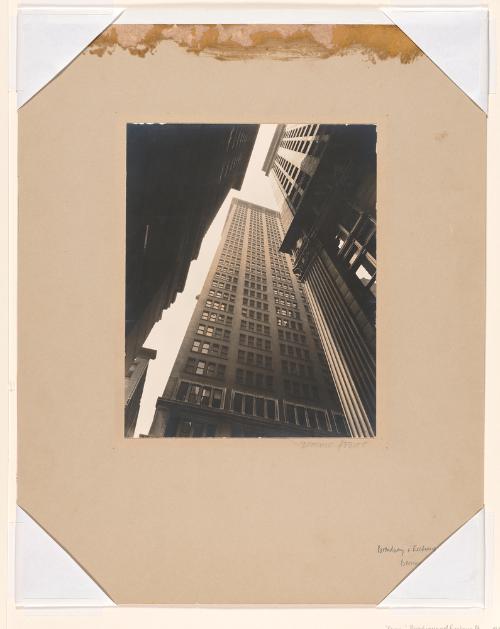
(351, 361)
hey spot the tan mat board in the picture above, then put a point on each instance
(238, 521)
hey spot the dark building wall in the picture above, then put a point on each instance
(326, 176)
(177, 178)
(264, 372)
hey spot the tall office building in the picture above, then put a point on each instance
(178, 175)
(251, 362)
(324, 177)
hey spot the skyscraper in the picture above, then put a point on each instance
(251, 362)
(324, 177)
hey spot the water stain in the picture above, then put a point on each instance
(285, 41)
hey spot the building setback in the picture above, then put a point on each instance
(251, 362)
(177, 178)
(325, 179)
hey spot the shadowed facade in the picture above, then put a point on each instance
(177, 178)
(324, 177)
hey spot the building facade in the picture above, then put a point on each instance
(177, 178)
(251, 362)
(325, 179)
(134, 386)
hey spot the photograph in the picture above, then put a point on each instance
(250, 305)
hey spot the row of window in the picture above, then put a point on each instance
(257, 277)
(255, 341)
(255, 304)
(256, 315)
(219, 305)
(255, 285)
(297, 369)
(251, 326)
(297, 352)
(307, 417)
(200, 394)
(291, 314)
(300, 146)
(291, 336)
(227, 286)
(221, 295)
(279, 265)
(277, 275)
(215, 317)
(254, 405)
(204, 347)
(259, 269)
(254, 294)
(301, 389)
(286, 285)
(303, 130)
(251, 358)
(229, 259)
(210, 330)
(225, 276)
(294, 325)
(205, 368)
(289, 168)
(285, 294)
(254, 378)
(285, 302)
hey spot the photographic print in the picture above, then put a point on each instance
(250, 280)
(209, 215)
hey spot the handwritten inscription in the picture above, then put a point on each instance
(410, 555)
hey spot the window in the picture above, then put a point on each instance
(205, 396)
(322, 421)
(256, 406)
(200, 367)
(301, 415)
(210, 370)
(182, 391)
(217, 398)
(311, 416)
(196, 346)
(271, 409)
(248, 405)
(259, 407)
(194, 394)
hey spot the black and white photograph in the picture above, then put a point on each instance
(250, 280)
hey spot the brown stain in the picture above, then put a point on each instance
(285, 41)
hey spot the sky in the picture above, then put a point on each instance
(166, 336)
